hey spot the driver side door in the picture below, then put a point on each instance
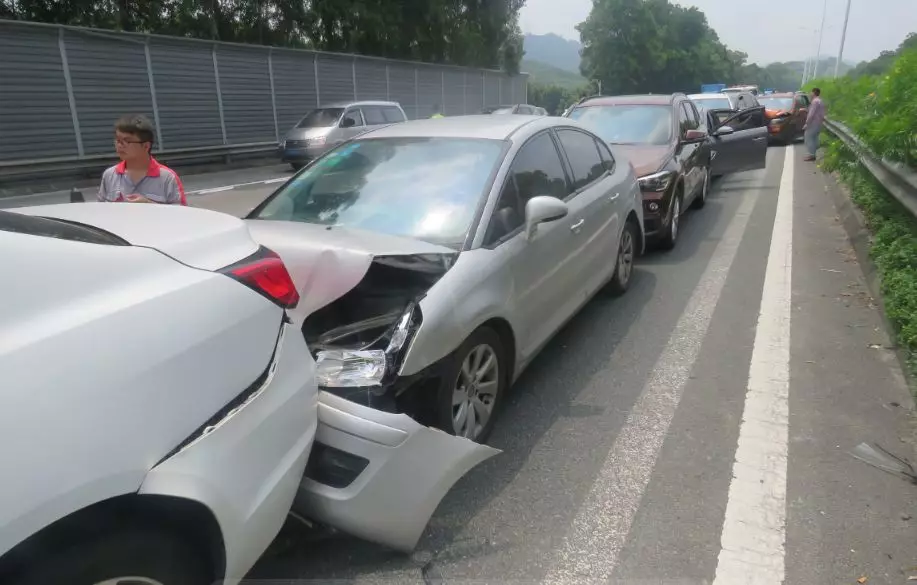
(738, 140)
(351, 125)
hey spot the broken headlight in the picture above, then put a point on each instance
(365, 353)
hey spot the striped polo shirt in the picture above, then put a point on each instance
(160, 185)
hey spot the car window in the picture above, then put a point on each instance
(508, 214)
(741, 102)
(688, 116)
(683, 123)
(608, 160)
(393, 114)
(777, 103)
(373, 115)
(802, 101)
(424, 188)
(537, 170)
(352, 115)
(583, 156)
(694, 113)
(722, 103)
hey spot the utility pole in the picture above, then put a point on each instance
(821, 33)
(840, 52)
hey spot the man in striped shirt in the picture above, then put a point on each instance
(139, 178)
(813, 124)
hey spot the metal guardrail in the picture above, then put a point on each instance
(897, 179)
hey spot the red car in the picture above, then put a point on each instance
(786, 115)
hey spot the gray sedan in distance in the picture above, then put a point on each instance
(435, 258)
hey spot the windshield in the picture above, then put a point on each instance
(424, 188)
(628, 124)
(321, 118)
(776, 103)
(713, 103)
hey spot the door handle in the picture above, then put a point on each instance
(576, 227)
(760, 139)
(615, 196)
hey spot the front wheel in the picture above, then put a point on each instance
(624, 265)
(670, 237)
(473, 386)
(128, 557)
(701, 199)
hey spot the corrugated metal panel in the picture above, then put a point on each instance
(429, 90)
(401, 87)
(455, 92)
(186, 94)
(371, 83)
(105, 92)
(519, 83)
(474, 92)
(506, 91)
(246, 85)
(335, 75)
(294, 87)
(492, 89)
(35, 117)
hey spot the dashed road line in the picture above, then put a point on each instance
(754, 527)
(591, 547)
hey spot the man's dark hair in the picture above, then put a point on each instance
(138, 125)
(816, 91)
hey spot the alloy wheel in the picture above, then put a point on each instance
(625, 257)
(475, 391)
(676, 214)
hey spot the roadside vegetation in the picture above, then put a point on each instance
(882, 110)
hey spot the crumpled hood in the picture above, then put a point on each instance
(647, 159)
(326, 262)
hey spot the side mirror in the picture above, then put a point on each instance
(724, 131)
(694, 136)
(348, 123)
(542, 209)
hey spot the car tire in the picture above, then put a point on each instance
(701, 198)
(624, 264)
(670, 236)
(133, 556)
(454, 385)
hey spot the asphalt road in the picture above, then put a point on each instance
(696, 430)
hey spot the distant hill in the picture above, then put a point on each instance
(553, 50)
(544, 74)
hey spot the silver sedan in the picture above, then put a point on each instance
(435, 258)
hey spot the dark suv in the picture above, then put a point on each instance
(673, 152)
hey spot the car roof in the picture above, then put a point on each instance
(644, 99)
(475, 126)
(781, 94)
(347, 104)
(704, 96)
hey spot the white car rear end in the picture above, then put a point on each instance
(157, 399)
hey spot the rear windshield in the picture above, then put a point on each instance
(713, 103)
(57, 228)
(321, 118)
(776, 103)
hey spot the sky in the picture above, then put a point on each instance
(744, 25)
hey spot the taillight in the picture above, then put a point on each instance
(265, 273)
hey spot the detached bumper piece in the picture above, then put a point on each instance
(380, 475)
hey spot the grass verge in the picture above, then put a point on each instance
(893, 247)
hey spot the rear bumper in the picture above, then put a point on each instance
(392, 472)
(248, 468)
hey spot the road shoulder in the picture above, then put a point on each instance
(845, 519)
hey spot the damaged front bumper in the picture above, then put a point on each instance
(379, 475)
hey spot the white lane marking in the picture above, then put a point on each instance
(236, 186)
(92, 191)
(591, 547)
(213, 190)
(754, 527)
